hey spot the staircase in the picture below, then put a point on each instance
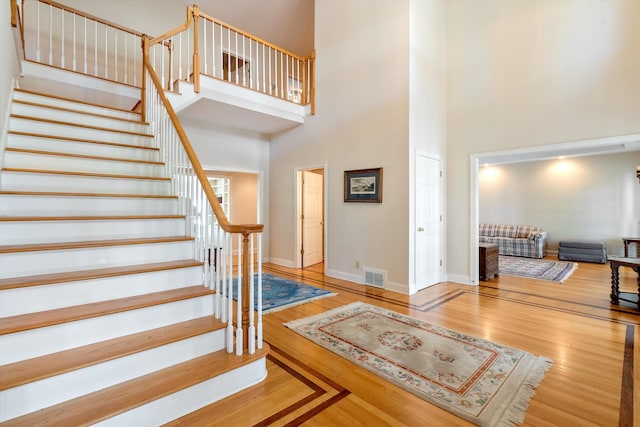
(104, 318)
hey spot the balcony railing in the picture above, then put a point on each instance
(63, 37)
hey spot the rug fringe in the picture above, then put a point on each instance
(294, 304)
(515, 415)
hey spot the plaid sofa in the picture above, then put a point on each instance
(516, 240)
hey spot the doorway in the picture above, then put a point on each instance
(310, 223)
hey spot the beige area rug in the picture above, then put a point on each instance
(541, 269)
(483, 382)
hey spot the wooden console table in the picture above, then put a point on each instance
(626, 241)
(616, 295)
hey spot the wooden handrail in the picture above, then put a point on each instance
(175, 30)
(14, 12)
(244, 229)
(92, 17)
(250, 36)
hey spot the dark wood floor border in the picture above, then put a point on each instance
(626, 393)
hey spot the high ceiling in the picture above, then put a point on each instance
(285, 23)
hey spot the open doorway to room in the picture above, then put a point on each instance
(310, 217)
(238, 193)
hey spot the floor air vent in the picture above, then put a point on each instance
(375, 278)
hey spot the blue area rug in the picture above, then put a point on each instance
(279, 294)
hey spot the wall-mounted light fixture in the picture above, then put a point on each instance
(638, 172)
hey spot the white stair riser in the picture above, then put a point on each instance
(48, 297)
(31, 397)
(62, 103)
(185, 401)
(19, 264)
(51, 339)
(39, 161)
(30, 181)
(75, 147)
(71, 205)
(26, 232)
(49, 113)
(53, 129)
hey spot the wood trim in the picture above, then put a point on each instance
(83, 156)
(38, 247)
(33, 92)
(13, 4)
(88, 141)
(86, 218)
(247, 35)
(71, 194)
(173, 32)
(103, 129)
(93, 17)
(86, 113)
(92, 174)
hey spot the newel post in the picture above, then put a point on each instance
(246, 283)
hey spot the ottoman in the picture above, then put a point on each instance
(583, 250)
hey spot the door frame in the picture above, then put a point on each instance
(297, 206)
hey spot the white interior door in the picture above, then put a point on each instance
(428, 222)
(312, 222)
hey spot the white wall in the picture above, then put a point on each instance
(362, 121)
(528, 73)
(232, 150)
(596, 197)
(427, 115)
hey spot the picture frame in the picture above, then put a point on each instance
(363, 185)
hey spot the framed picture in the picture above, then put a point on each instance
(364, 185)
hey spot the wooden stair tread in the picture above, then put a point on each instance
(86, 217)
(27, 371)
(33, 92)
(89, 244)
(73, 276)
(83, 140)
(100, 128)
(103, 404)
(72, 194)
(71, 110)
(24, 322)
(91, 174)
(81, 156)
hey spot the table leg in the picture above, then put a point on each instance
(615, 283)
(637, 270)
(626, 248)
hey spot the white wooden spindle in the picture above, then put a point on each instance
(229, 282)
(74, 61)
(251, 333)
(162, 66)
(264, 87)
(50, 35)
(135, 55)
(95, 48)
(270, 78)
(239, 330)
(38, 31)
(204, 41)
(259, 290)
(61, 38)
(189, 57)
(85, 45)
(115, 54)
(106, 60)
(250, 62)
(244, 65)
(125, 58)
(213, 48)
(180, 58)
(229, 54)
(237, 55)
(221, 68)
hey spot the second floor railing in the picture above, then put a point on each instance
(60, 36)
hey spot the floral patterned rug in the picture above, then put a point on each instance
(543, 269)
(279, 293)
(483, 382)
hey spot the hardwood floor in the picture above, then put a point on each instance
(593, 382)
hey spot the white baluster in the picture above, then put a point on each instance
(115, 54)
(62, 38)
(259, 290)
(213, 48)
(270, 78)
(251, 333)
(239, 331)
(38, 31)
(50, 35)
(237, 58)
(106, 60)
(73, 61)
(204, 41)
(229, 295)
(95, 48)
(85, 45)
(250, 62)
(125, 58)
(244, 65)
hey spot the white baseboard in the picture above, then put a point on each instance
(356, 278)
(282, 262)
(459, 278)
